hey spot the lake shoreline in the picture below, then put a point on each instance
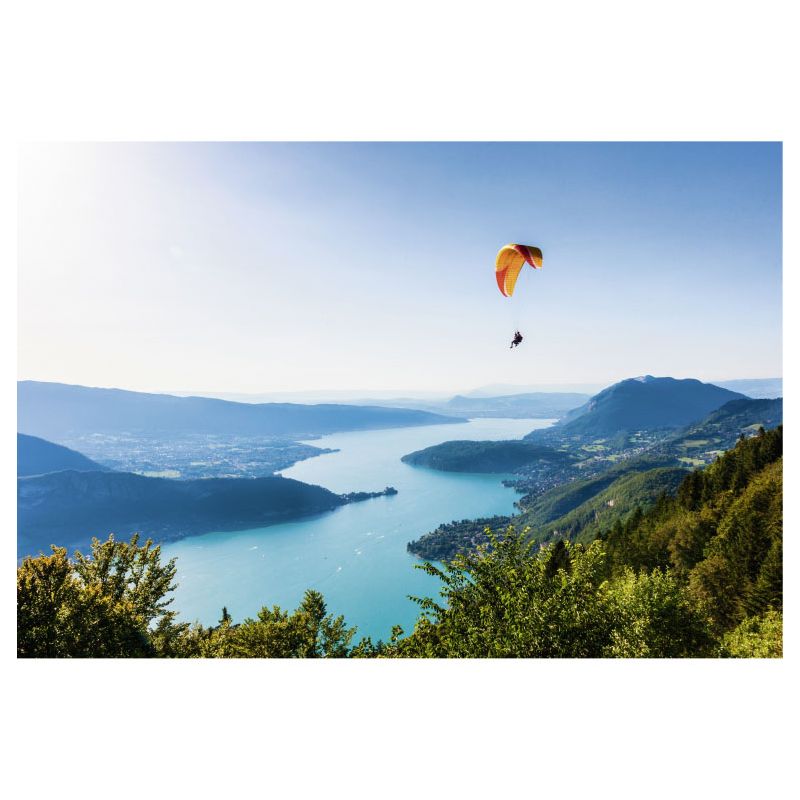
(355, 554)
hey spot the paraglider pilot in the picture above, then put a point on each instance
(517, 339)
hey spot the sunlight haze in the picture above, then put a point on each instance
(280, 267)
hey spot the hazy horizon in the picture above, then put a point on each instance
(316, 267)
(323, 395)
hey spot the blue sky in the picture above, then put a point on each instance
(369, 266)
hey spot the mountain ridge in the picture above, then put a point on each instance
(54, 410)
(36, 456)
(645, 403)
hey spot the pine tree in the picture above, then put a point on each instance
(558, 559)
(767, 591)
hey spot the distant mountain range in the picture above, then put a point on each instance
(533, 405)
(752, 387)
(56, 410)
(504, 400)
(36, 456)
(388, 397)
(65, 497)
(768, 388)
(507, 389)
(645, 403)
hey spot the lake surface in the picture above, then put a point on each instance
(356, 555)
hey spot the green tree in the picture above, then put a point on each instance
(728, 583)
(508, 600)
(755, 637)
(690, 492)
(654, 618)
(47, 597)
(690, 534)
(558, 558)
(767, 591)
(505, 601)
(308, 632)
(99, 605)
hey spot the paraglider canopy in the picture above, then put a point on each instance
(510, 261)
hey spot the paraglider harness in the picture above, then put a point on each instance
(517, 339)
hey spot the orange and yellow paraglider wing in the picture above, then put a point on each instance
(510, 261)
(533, 255)
(507, 277)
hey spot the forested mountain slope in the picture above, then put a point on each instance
(722, 532)
(575, 511)
(645, 403)
(484, 456)
(71, 507)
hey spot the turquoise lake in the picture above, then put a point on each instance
(356, 555)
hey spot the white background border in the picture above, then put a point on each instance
(416, 70)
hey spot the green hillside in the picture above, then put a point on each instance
(701, 442)
(469, 456)
(575, 511)
(585, 521)
(722, 532)
(550, 505)
(578, 507)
